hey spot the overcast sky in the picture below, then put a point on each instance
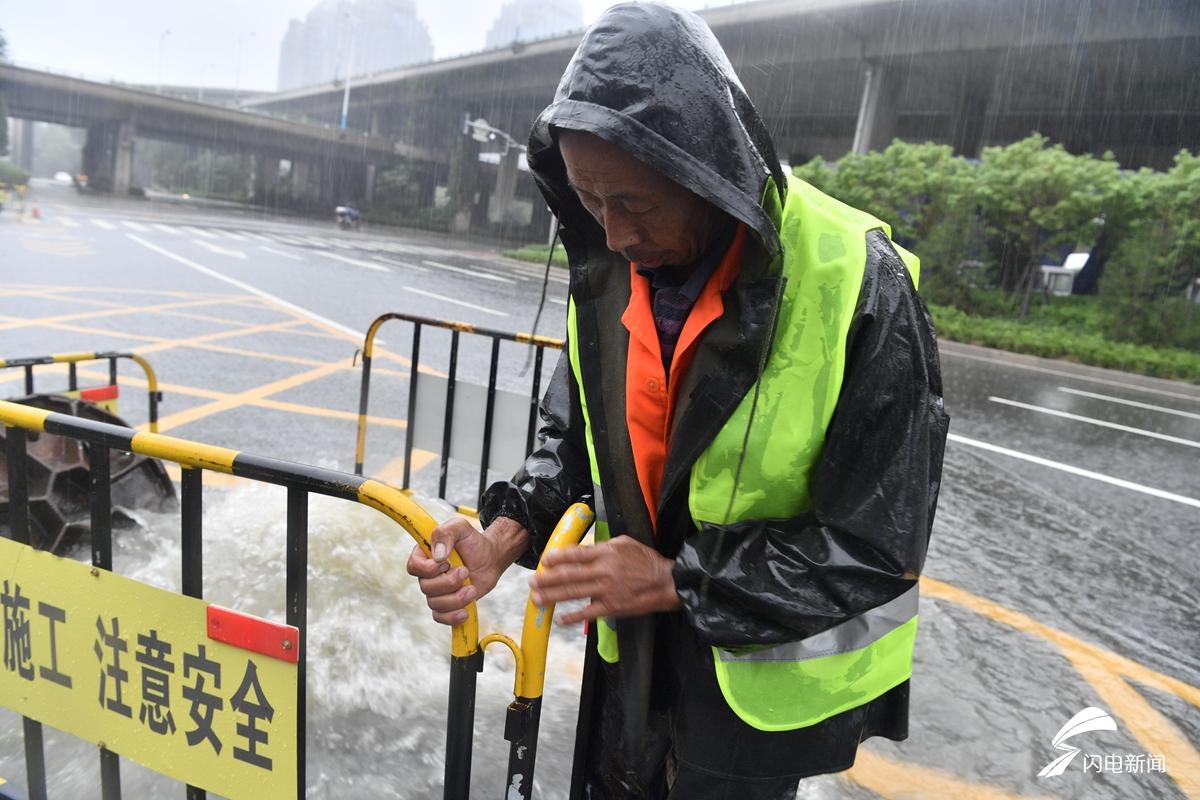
(120, 39)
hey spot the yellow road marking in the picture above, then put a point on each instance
(1157, 733)
(112, 312)
(243, 398)
(208, 477)
(1106, 672)
(42, 287)
(393, 471)
(904, 780)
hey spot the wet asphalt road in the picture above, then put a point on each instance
(1067, 542)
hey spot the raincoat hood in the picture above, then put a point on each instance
(654, 81)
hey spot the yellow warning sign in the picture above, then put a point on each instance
(132, 667)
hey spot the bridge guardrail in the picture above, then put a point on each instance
(73, 359)
(50, 638)
(484, 439)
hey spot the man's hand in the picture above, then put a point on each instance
(485, 556)
(623, 578)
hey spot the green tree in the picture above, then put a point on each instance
(1154, 264)
(1035, 198)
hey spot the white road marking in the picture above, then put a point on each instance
(283, 238)
(473, 273)
(231, 235)
(556, 301)
(310, 240)
(257, 236)
(199, 232)
(158, 226)
(272, 251)
(456, 302)
(404, 264)
(1091, 421)
(103, 224)
(353, 261)
(136, 226)
(1062, 374)
(219, 250)
(67, 222)
(245, 287)
(1133, 403)
(1083, 473)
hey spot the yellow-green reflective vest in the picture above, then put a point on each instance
(801, 683)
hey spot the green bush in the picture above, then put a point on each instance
(537, 253)
(1058, 341)
(13, 175)
(982, 229)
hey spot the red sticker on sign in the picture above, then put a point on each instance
(254, 633)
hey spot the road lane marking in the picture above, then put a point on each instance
(135, 226)
(245, 287)
(404, 264)
(158, 226)
(203, 234)
(272, 251)
(231, 235)
(1092, 421)
(472, 273)
(257, 236)
(1133, 403)
(1060, 373)
(67, 222)
(556, 301)
(222, 251)
(103, 224)
(1073, 470)
(354, 261)
(456, 302)
(283, 238)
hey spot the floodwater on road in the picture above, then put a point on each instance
(1061, 573)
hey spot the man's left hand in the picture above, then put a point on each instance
(623, 578)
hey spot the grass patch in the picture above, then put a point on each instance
(537, 253)
(1053, 340)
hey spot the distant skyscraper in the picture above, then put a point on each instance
(523, 20)
(386, 34)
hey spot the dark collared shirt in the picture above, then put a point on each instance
(674, 291)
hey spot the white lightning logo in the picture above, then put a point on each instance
(1090, 719)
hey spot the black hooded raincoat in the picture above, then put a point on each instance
(655, 82)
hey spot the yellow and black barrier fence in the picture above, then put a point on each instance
(79, 633)
(476, 408)
(92, 395)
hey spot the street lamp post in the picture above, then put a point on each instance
(349, 72)
(162, 39)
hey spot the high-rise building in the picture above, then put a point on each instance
(381, 34)
(524, 20)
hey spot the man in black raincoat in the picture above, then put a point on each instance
(735, 648)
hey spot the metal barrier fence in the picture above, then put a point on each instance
(72, 359)
(539, 343)
(224, 638)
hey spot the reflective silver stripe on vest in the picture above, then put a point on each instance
(598, 504)
(853, 634)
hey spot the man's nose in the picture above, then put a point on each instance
(620, 232)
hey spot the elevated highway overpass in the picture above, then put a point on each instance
(323, 158)
(832, 76)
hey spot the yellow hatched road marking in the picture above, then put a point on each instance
(113, 312)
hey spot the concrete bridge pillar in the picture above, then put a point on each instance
(266, 177)
(972, 107)
(369, 188)
(876, 126)
(108, 156)
(500, 203)
(21, 145)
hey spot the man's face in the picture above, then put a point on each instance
(646, 217)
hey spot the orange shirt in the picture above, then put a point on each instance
(649, 391)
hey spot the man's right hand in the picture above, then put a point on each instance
(485, 557)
